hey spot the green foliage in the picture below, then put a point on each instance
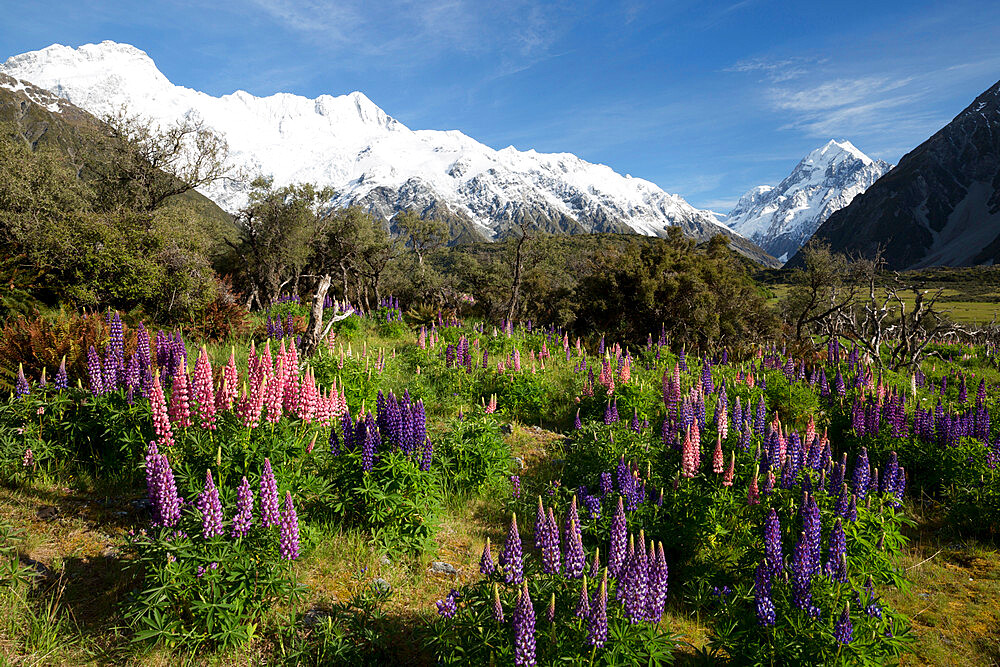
(205, 593)
(471, 455)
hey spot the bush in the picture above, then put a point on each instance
(471, 455)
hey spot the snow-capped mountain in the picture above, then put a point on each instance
(940, 206)
(782, 218)
(370, 158)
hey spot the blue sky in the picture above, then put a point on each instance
(706, 99)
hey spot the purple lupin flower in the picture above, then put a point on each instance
(550, 613)
(597, 623)
(583, 605)
(425, 458)
(574, 560)
(595, 564)
(862, 474)
(762, 594)
(288, 540)
(636, 583)
(657, 588)
(802, 576)
(550, 545)
(524, 629)
(211, 509)
(512, 557)
(94, 372)
(486, 564)
(852, 509)
(619, 541)
(497, 607)
(812, 528)
(843, 629)
(370, 445)
(269, 515)
(448, 606)
(61, 380)
(244, 510)
(541, 525)
(836, 564)
(772, 543)
(21, 388)
(577, 425)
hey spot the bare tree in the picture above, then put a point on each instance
(525, 236)
(139, 165)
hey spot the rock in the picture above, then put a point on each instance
(384, 560)
(110, 551)
(506, 429)
(382, 586)
(439, 567)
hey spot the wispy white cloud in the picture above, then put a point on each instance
(776, 70)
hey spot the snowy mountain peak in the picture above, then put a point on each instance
(369, 158)
(782, 218)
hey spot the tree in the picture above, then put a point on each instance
(278, 231)
(422, 234)
(517, 267)
(828, 284)
(138, 165)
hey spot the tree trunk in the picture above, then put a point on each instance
(314, 330)
(516, 287)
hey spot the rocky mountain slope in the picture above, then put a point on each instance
(940, 206)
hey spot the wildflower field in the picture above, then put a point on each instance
(459, 492)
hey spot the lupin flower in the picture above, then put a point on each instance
(727, 478)
(772, 542)
(288, 544)
(486, 564)
(836, 564)
(524, 630)
(448, 606)
(94, 372)
(636, 583)
(202, 387)
(843, 629)
(211, 509)
(28, 461)
(269, 515)
(61, 380)
(619, 541)
(512, 556)
(550, 545)
(597, 623)
(583, 604)
(244, 510)
(718, 461)
(753, 494)
(21, 388)
(762, 594)
(497, 607)
(180, 410)
(574, 560)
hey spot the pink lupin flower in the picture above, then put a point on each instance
(180, 409)
(253, 404)
(517, 360)
(422, 339)
(753, 493)
(274, 393)
(717, 459)
(203, 393)
(625, 374)
(727, 479)
(690, 454)
(161, 420)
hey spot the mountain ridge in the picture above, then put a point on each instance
(370, 158)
